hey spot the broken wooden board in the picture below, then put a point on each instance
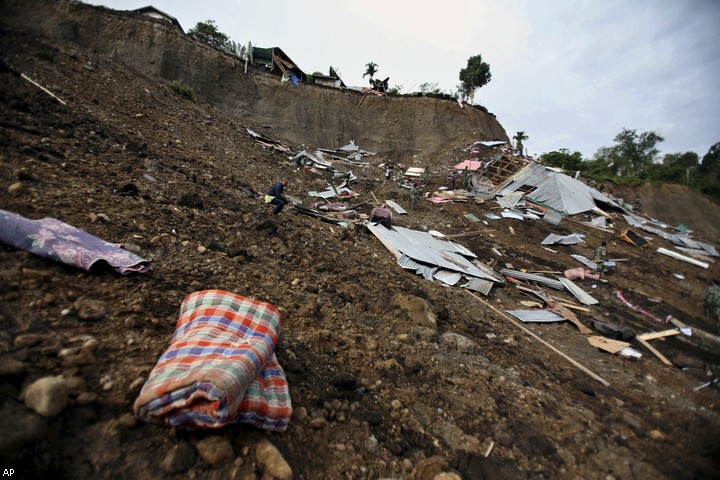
(655, 352)
(607, 344)
(663, 334)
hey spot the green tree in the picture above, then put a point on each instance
(519, 138)
(208, 32)
(474, 76)
(675, 167)
(563, 159)
(708, 173)
(370, 69)
(632, 155)
(429, 87)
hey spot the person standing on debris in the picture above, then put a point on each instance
(465, 178)
(600, 257)
(426, 176)
(275, 196)
(711, 301)
(453, 179)
(414, 193)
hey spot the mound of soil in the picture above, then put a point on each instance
(391, 376)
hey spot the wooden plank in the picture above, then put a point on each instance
(654, 335)
(652, 349)
(565, 356)
(607, 344)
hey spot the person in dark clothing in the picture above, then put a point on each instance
(275, 196)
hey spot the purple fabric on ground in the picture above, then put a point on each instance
(58, 241)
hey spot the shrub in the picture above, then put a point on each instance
(180, 89)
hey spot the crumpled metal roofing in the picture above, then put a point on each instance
(415, 249)
(553, 238)
(480, 285)
(578, 292)
(555, 190)
(531, 277)
(540, 316)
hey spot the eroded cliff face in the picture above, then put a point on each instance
(308, 114)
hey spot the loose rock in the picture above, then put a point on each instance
(47, 396)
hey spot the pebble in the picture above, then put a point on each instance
(295, 281)
(300, 414)
(179, 458)
(657, 435)
(136, 384)
(131, 247)
(86, 398)
(47, 396)
(75, 385)
(9, 367)
(16, 189)
(215, 450)
(28, 340)
(318, 423)
(90, 344)
(90, 310)
(271, 462)
(371, 444)
(82, 358)
(128, 420)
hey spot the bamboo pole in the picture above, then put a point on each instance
(25, 77)
(566, 357)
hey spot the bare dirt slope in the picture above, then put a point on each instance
(378, 390)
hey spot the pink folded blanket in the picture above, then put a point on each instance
(58, 241)
(220, 367)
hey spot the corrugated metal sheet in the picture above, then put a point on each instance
(447, 277)
(552, 217)
(531, 277)
(600, 222)
(479, 285)
(562, 239)
(555, 190)
(632, 220)
(539, 316)
(590, 264)
(579, 293)
(426, 250)
(396, 207)
(510, 200)
(408, 263)
(709, 248)
(426, 271)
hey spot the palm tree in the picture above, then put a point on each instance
(371, 69)
(519, 138)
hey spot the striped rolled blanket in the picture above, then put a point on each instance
(220, 367)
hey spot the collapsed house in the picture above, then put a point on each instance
(275, 60)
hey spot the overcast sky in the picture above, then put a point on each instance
(569, 73)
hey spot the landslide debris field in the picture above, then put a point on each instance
(391, 375)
